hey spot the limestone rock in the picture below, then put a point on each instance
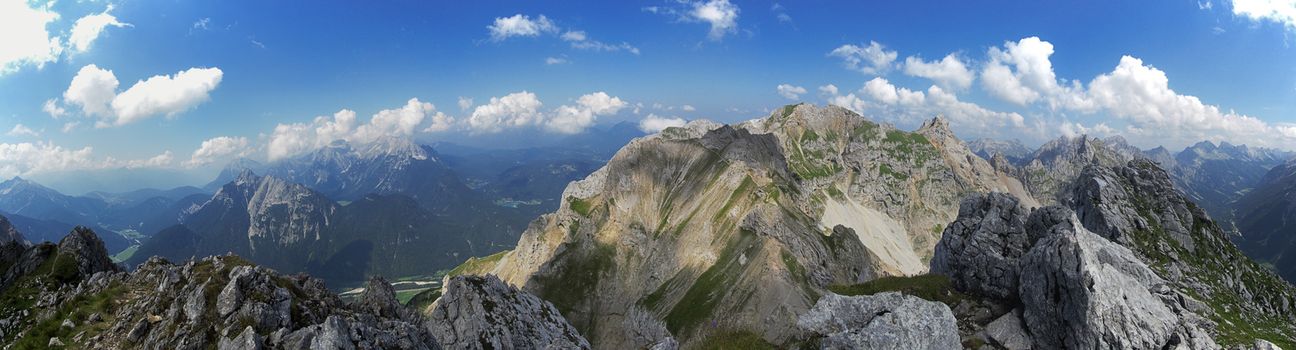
(1081, 291)
(1009, 332)
(88, 251)
(980, 250)
(379, 298)
(482, 312)
(882, 321)
(247, 340)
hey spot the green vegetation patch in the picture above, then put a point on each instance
(578, 278)
(580, 206)
(422, 300)
(701, 299)
(78, 310)
(930, 287)
(125, 254)
(475, 265)
(734, 340)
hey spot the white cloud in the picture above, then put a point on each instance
(94, 90)
(87, 29)
(513, 110)
(555, 60)
(166, 95)
(201, 23)
(949, 72)
(69, 126)
(26, 41)
(1282, 12)
(878, 97)
(653, 123)
(720, 14)
(873, 59)
(1022, 73)
(21, 159)
(688, 108)
(465, 103)
(157, 161)
(780, 13)
(522, 109)
(520, 25)
(218, 148)
(395, 122)
(1141, 95)
(440, 122)
(23, 130)
(27, 158)
(575, 119)
(791, 92)
(291, 139)
(52, 108)
(881, 90)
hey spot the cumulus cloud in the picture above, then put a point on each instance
(465, 103)
(881, 90)
(1282, 12)
(165, 95)
(1140, 94)
(87, 29)
(720, 14)
(1021, 73)
(555, 60)
(688, 108)
(52, 108)
(22, 130)
(653, 123)
(157, 161)
(523, 109)
(575, 119)
(399, 121)
(791, 92)
(520, 25)
(950, 72)
(218, 148)
(26, 41)
(25, 158)
(512, 110)
(94, 90)
(881, 99)
(295, 138)
(871, 59)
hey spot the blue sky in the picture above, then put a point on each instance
(269, 79)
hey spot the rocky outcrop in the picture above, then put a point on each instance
(10, 234)
(1135, 265)
(379, 298)
(85, 248)
(482, 312)
(882, 321)
(1081, 291)
(980, 250)
(1138, 206)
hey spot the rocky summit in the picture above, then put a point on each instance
(70, 295)
(1127, 262)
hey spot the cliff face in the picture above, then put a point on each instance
(1126, 261)
(709, 228)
